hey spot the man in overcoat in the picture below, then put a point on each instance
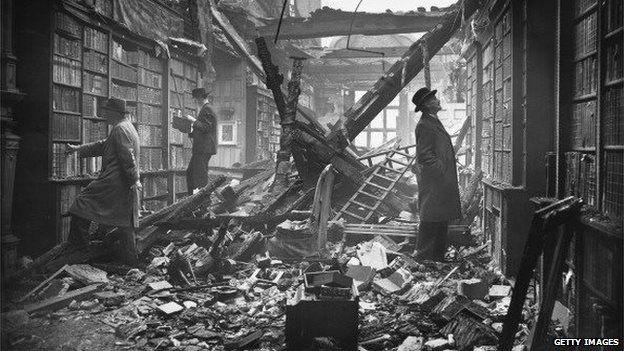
(112, 198)
(436, 174)
(204, 135)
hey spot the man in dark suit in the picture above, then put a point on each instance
(438, 190)
(204, 135)
(112, 198)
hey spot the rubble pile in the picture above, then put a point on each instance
(241, 269)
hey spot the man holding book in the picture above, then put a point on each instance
(113, 198)
(436, 174)
(204, 135)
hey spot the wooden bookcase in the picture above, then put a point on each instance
(263, 122)
(91, 63)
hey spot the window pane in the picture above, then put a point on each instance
(377, 138)
(360, 139)
(391, 118)
(377, 122)
(390, 136)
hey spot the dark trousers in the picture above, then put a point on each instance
(432, 241)
(126, 249)
(197, 172)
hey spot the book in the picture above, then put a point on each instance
(583, 124)
(65, 99)
(613, 64)
(613, 116)
(95, 39)
(65, 127)
(96, 62)
(586, 76)
(585, 35)
(92, 105)
(91, 166)
(67, 47)
(66, 71)
(67, 24)
(124, 92)
(63, 165)
(150, 95)
(613, 196)
(95, 84)
(587, 179)
(149, 78)
(181, 124)
(123, 72)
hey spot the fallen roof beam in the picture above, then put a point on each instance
(338, 23)
(401, 73)
(254, 63)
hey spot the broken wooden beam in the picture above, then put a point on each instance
(398, 230)
(46, 281)
(329, 22)
(401, 73)
(58, 302)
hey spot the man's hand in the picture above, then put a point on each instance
(71, 148)
(191, 118)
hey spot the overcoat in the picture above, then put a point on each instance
(204, 132)
(436, 173)
(111, 198)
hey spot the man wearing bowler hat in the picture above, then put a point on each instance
(204, 135)
(111, 199)
(438, 191)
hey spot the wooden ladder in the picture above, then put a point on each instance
(367, 199)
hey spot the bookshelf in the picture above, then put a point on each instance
(90, 63)
(183, 76)
(263, 122)
(487, 146)
(594, 156)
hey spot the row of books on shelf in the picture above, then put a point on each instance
(67, 24)
(586, 76)
(91, 166)
(183, 69)
(96, 61)
(149, 114)
(585, 35)
(95, 84)
(581, 176)
(123, 72)
(145, 60)
(150, 95)
(154, 186)
(63, 165)
(95, 39)
(67, 47)
(613, 119)
(150, 78)
(151, 159)
(615, 15)
(176, 136)
(120, 53)
(180, 157)
(124, 92)
(614, 68)
(65, 127)
(613, 204)
(93, 131)
(150, 135)
(92, 105)
(65, 98)
(583, 124)
(66, 71)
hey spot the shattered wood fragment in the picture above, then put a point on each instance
(248, 248)
(43, 283)
(244, 341)
(87, 274)
(56, 303)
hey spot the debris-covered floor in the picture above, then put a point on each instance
(244, 281)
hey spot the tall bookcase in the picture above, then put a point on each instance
(594, 141)
(263, 122)
(91, 63)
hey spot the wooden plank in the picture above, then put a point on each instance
(401, 73)
(330, 22)
(46, 281)
(58, 302)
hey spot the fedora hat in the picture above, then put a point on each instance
(117, 105)
(199, 93)
(421, 96)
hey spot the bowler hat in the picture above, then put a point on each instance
(116, 105)
(421, 96)
(199, 93)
